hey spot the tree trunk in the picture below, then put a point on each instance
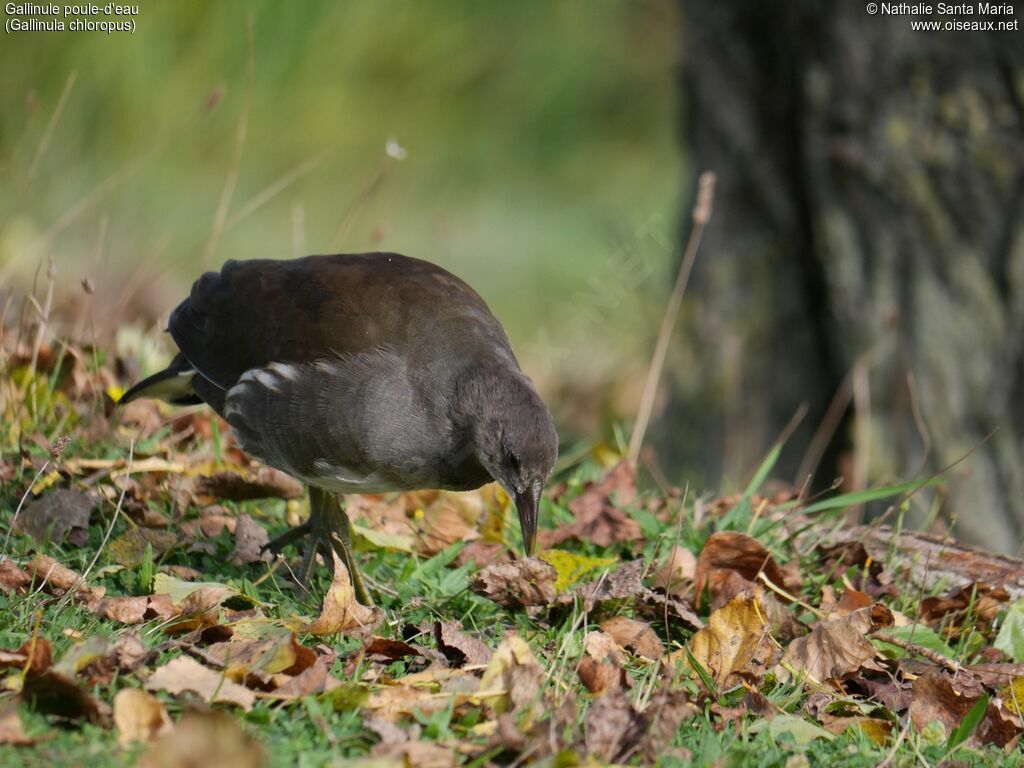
(867, 248)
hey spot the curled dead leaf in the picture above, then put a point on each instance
(208, 738)
(636, 635)
(729, 565)
(947, 700)
(517, 583)
(341, 611)
(139, 716)
(459, 648)
(736, 644)
(599, 511)
(836, 648)
(183, 675)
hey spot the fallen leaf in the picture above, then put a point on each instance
(459, 648)
(313, 679)
(729, 565)
(13, 580)
(801, 731)
(135, 609)
(974, 605)
(676, 572)
(184, 674)
(139, 716)
(422, 754)
(58, 515)
(263, 483)
(33, 657)
(600, 517)
(341, 611)
(663, 716)
(613, 727)
(634, 634)
(571, 567)
(12, 732)
(600, 669)
(277, 653)
(59, 580)
(250, 540)
(209, 738)
(518, 583)
(945, 700)
(515, 675)
(736, 644)
(836, 648)
(446, 521)
(129, 548)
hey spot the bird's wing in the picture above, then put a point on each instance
(350, 423)
(252, 314)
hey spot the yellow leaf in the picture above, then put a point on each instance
(571, 568)
(736, 643)
(115, 393)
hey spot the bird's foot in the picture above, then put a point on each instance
(326, 533)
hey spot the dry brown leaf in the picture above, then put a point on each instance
(184, 674)
(977, 604)
(729, 565)
(139, 716)
(599, 513)
(676, 572)
(12, 578)
(448, 520)
(836, 648)
(422, 754)
(135, 609)
(518, 583)
(600, 669)
(613, 727)
(663, 716)
(58, 515)
(250, 540)
(55, 693)
(59, 580)
(209, 738)
(129, 652)
(263, 483)
(12, 732)
(34, 656)
(736, 644)
(515, 676)
(634, 634)
(341, 611)
(946, 700)
(313, 679)
(278, 653)
(459, 648)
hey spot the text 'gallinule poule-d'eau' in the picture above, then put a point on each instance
(360, 373)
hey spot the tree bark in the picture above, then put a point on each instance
(867, 240)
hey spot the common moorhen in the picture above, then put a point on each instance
(360, 373)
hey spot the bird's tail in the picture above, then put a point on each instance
(173, 384)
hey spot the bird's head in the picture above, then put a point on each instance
(517, 444)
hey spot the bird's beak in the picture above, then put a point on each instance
(527, 504)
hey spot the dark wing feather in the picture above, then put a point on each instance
(254, 313)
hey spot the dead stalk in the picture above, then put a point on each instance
(701, 215)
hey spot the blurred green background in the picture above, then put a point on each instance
(540, 144)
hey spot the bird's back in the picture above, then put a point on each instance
(344, 370)
(255, 313)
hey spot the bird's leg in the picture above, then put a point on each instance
(331, 532)
(326, 531)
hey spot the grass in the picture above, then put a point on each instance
(326, 729)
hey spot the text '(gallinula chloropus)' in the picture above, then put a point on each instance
(360, 373)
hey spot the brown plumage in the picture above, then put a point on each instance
(361, 373)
